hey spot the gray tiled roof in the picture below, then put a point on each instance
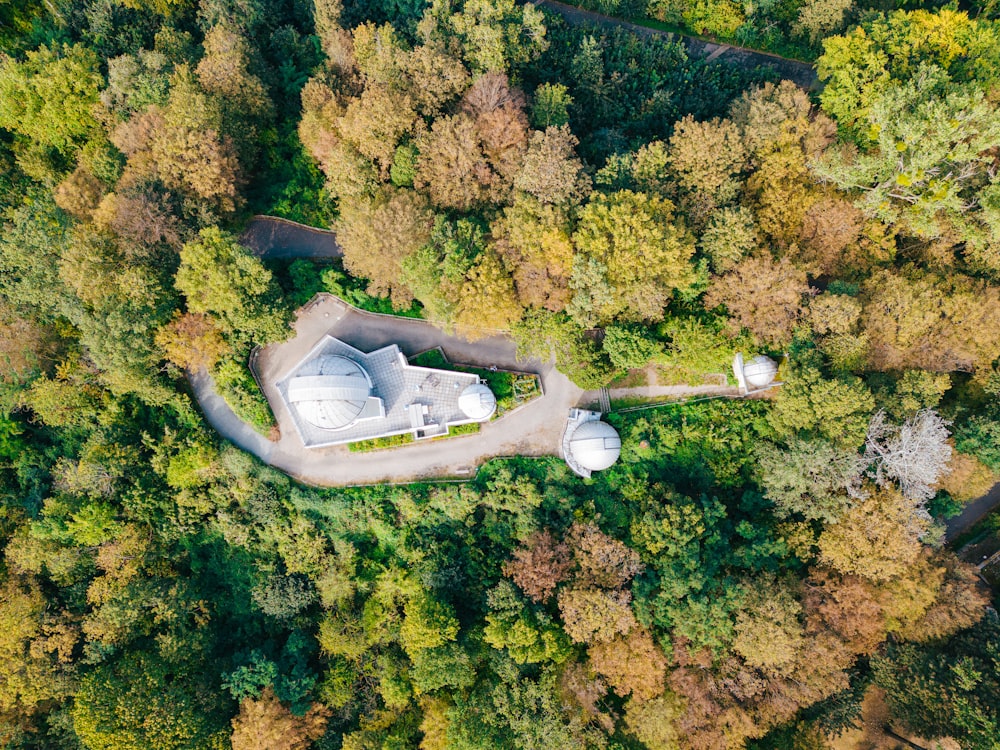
(397, 384)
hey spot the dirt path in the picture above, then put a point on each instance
(802, 73)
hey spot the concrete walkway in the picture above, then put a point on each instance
(802, 73)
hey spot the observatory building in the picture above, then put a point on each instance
(588, 444)
(339, 394)
(758, 374)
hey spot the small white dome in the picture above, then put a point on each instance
(760, 371)
(477, 401)
(330, 391)
(595, 445)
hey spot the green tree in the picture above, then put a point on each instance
(49, 98)
(129, 704)
(640, 251)
(495, 35)
(445, 666)
(630, 347)
(946, 687)
(930, 152)
(221, 278)
(427, 623)
(550, 108)
(835, 409)
(809, 477)
(858, 66)
(529, 636)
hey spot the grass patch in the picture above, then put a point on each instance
(377, 444)
(235, 383)
(631, 379)
(464, 429)
(302, 278)
(431, 358)
(617, 404)
(397, 441)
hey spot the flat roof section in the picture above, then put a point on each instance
(418, 400)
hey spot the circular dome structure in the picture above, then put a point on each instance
(760, 371)
(330, 391)
(477, 402)
(595, 445)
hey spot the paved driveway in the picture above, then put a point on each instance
(534, 430)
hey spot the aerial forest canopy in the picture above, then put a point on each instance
(748, 576)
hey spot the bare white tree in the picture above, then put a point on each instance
(914, 454)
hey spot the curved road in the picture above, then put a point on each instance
(272, 237)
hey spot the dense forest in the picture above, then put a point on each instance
(752, 574)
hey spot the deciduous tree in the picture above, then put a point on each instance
(761, 295)
(914, 454)
(769, 635)
(706, 159)
(220, 277)
(810, 477)
(552, 172)
(638, 251)
(264, 723)
(539, 566)
(878, 537)
(591, 615)
(601, 560)
(377, 236)
(915, 319)
(836, 409)
(633, 665)
(487, 302)
(50, 97)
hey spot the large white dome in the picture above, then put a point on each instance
(595, 445)
(330, 391)
(477, 401)
(760, 371)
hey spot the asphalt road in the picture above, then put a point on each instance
(973, 512)
(802, 73)
(271, 237)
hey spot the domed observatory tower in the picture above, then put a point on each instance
(330, 392)
(758, 374)
(477, 402)
(589, 444)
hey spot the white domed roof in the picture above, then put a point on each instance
(760, 371)
(595, 445)
(330, 391)
(477, 401)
